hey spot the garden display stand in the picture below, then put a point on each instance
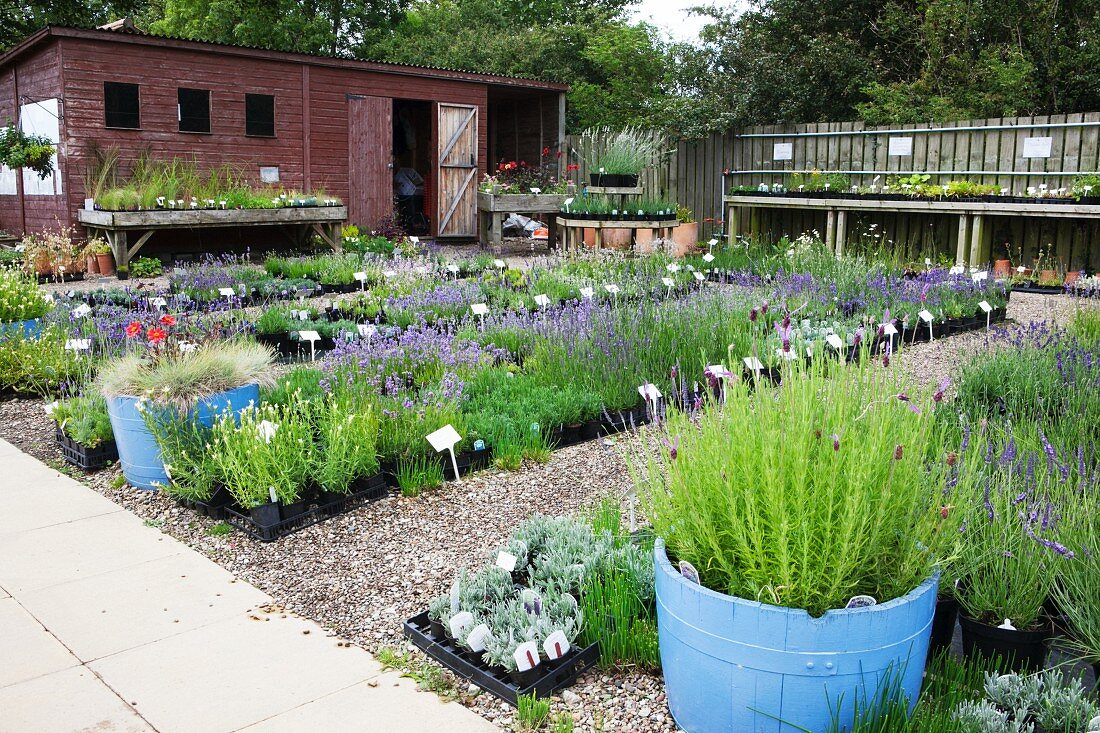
(552, 676)
(573, 228)
(494, 208)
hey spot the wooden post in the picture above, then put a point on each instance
(734, 222)
(830, 230)
(962, 255)
(841, 231)
(977, 256)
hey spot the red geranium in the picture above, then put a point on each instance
(156, 335)
(133, 330)
(546, 150)
(168, 320)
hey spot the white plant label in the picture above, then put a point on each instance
(526, 655)
(414, 240)
(506, 560)
(227, 292)
(422, 269)
(456, 592)
(708, 257)
(753, 364)
(712, 242)
(689, 572)
(672, 267)
(957, 270)
(453, 269)
(445, 439)
(388, 273)
(718, 371)
(500, 264)
(556, 645)
(925, 316)
(476, 638)
(479, 309)
(669, 282)
(649, 392)
(611, 288)
(81, 310)
(1037, 147)
(536, 191)
(783, 151)
(979, 276)
(900, 146)
(861, 602)
(889, 329)
(699, 277)
(309, 336)
(587, 292)
(927, 261)
(367, 330)
(186, 347)
(542, 300)
(158, 303)
(460, 622)
(361, 277)
(833, 340)
(49, 407)
(985, 306)
(78, 345)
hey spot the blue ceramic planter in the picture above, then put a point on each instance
(737, 666)
(137, 449)
(31, 329)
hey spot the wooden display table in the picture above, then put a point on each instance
(573, 230)
(494, 208)
(298, 221)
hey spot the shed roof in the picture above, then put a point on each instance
(116, 36)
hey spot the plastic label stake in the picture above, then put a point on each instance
(526, 656)
(556, 645)
(312, 337)
(227, 293)
(672, 267)
(611, 288)
(445, 439)
(927, 318)
(889, 329)
(988, 310)
(542, 301)
(367, 330)
(689, 572)
(753, 364)
(476, 638)
(362, 278)
(500, 264)
(698, 276)
(506, 560)
(460, 622)
(158, 302)
(78, 345)
(669, 283)
(453, 269)
(587, 292)
(710, 245)
(833, 340)
(979, 276)
(82, 310)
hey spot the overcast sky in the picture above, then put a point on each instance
(671, 16)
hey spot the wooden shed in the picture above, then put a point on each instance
(305, 121)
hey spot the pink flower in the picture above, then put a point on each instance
(673, 447)
(836, 443)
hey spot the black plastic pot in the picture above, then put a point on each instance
(265, 515)
(436, 629)
(943, 625)
(294, 510)
(523, 679)
(1019, 651)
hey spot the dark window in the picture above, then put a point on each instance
(120, 104)
(259, 115)
(194, 110)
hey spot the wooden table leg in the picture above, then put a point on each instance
(841, 231)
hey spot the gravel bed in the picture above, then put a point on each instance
(360, 575)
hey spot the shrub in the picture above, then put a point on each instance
(20, 297)
(84, 419)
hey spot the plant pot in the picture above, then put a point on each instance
(91, 264)
(293, 510)
(138, 452)
(732, 664)
(436, 629)
(943, 625)
(525, 679)
(123, 275)
(266, 515)
(1002, 268)
(1019, 650)
(107, 264)
(684, 238)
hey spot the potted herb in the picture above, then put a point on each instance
(22, 305)
(796, 508)
(686, 233)
(157, 373)
(84, 431)
(620, 155)
(347, 456)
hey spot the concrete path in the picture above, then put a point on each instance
(109, 625)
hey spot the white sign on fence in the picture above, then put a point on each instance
(901, 146)
(1037, 147)
(783, 151)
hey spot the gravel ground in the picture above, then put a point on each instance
(361, 574)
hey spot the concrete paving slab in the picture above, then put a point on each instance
(30, 502)
(64, 702)
(136, 605)
(62, 553)
(231, 674)
(27, 650)
(395, 704)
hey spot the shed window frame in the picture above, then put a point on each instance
(249, 123)
(107, 111)
(193, 119)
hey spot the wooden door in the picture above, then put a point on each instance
(370, 160)
(457, 139)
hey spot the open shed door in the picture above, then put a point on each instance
(457, 136)
(370, 160)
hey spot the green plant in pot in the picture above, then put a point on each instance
(620, 155)
(795, 508)
(22, 304)
(163, 375)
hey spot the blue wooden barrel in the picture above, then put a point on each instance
(739, 666)
(30, 329)
(137, 448)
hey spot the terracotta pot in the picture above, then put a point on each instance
(1002, 268)
(93, 264)
(106, 263)
(645, 242)
(684, 238)
(616, 238)
(1072, 277)
(1048, 275)
(590, 238)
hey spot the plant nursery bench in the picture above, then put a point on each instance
(494, 208)
(573, 229)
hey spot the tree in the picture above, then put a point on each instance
(18, 20)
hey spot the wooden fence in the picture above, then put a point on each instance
(1011, 153)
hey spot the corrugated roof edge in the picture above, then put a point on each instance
(386, 67)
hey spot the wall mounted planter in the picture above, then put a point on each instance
(736, 665)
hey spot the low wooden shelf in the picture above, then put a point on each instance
(573, 229)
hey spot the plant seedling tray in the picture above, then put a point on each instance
(373, 488)
(562, 674)
(81, 456)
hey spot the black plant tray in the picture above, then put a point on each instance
(81, 456)
(562, 674)
(370, 489)
(1039, 289)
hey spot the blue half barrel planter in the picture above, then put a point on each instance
(738, 666)
(137, 448)
(29, 329)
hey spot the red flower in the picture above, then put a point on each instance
(156, 335)
(168, 319)
(557, 154)
(546, 151)
(573, 167)
(134, 329)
